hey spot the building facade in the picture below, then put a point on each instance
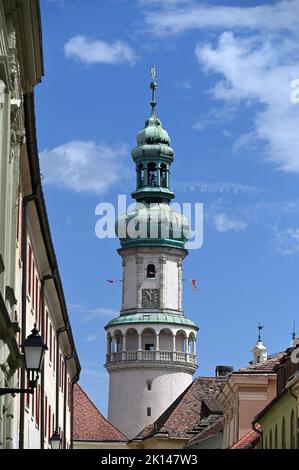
(30, 286)
(279, 421)
(246, 392)
(151, 346)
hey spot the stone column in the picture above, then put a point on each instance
(180, 269)
(173, 348)
(139, 262)
(139, 352)
(162, 262)
(157, 346)
(158, 170)
(167, 176)
(145, 175)
(124, 350)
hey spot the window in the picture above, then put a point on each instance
(149, 411)
(151, 271)
(149, 347)
(152, 174)
(140, 175)
(149, 385)
(163, 175)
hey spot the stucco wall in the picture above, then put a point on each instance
(129, 397)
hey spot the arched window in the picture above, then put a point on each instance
(292, 431)
(283, 434)
(151, 271)
(163, 178)
(152, 174)
(276, 438)
(140, 175)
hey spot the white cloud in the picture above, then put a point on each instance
(258, 73)
(217, 187)
(86, 314)
(287, 241)
(91, 338)
(84, 166)
(254, 63)
(98, 51)
(177, 17)
(224, 223)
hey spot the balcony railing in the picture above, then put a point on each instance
(161, 356)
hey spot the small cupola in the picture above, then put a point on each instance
(259, 351)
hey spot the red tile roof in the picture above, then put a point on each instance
(215, 427)
(186, 412)
(263, 367)
(89, 424)
(249, 441)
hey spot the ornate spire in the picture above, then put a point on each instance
(153, 87)
(260, 327)
(293, 334)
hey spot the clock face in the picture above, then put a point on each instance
(150, 298)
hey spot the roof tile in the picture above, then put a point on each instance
(89, 423)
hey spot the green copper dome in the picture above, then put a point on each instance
(152, 225)
(152, 318)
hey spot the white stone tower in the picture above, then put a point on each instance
(151, 346)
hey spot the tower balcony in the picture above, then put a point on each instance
(159, 357)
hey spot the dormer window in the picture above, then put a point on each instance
(151, 271)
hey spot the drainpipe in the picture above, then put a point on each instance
(66, 359)
(26, 200)
(42, 403)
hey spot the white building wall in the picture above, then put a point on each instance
(171, 284)
(129, 283)
(129, 397)
(132, 281)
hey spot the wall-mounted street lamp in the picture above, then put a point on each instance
(55, 441)
(34, 350)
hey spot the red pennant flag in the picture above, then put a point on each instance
(194, 284)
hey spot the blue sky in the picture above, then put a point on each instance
(224, 72)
